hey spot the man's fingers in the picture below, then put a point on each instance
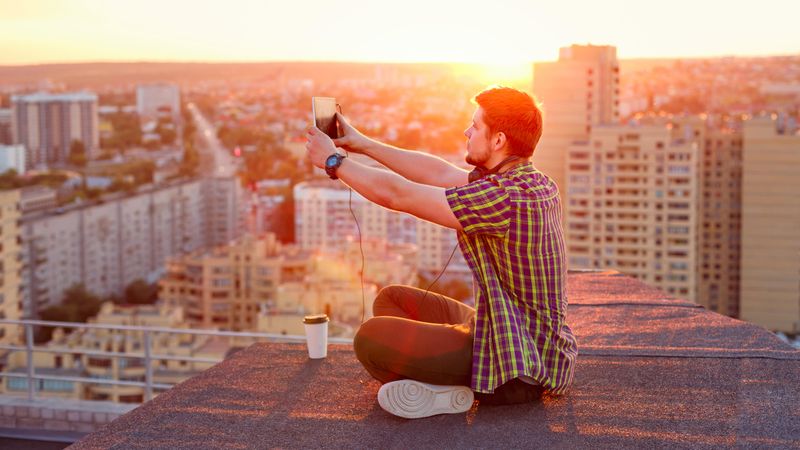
(342, 121)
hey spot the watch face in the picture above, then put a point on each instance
(331, 161)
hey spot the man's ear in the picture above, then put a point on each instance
(499, 141)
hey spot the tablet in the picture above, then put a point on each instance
(324, 110)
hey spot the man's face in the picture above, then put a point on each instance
(478, 146)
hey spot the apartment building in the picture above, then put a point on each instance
(37, 198)
(770, 262)
(227, 286)
(76, 363)
(719, 264)
(158, 99)
(225, 208)
(577, 92)
(108, 245)
(10, 265)
(323, 220)
(5, 127)
(632, 196)
(47, 124)
(233, 286)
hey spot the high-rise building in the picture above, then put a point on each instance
(323, 220)
(770, 280)
(577, 92)
(158, 99)
(720, 218)
(225, 208)
(5, 127)
(48, 124)
(10, 264)
(632, 196)
(108, 245)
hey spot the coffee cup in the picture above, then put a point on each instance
(316, 335)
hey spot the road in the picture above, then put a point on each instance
(224, 163)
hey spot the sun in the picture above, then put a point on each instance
(508, 73)
(513, 74)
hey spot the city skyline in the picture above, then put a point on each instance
(177, 196)
(48, 31)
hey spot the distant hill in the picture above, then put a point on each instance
(116, 73)
(636, 65)
(99, 75)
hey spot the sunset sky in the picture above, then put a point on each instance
(497, 31)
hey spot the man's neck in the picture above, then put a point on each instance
(508, 165)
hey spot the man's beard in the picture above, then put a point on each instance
(477, 161)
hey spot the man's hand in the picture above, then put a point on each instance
(319, 146)
(352, 139)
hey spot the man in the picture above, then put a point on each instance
(433, 353)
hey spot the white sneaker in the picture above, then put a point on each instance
(414, 399)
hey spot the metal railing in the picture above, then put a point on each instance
(146, 354)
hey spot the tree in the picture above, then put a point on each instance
(78, 305)
(190, 161)
(168, 136)
(77, 153)
(281, 222)
(10, 180)
(140, 292)
(127, 131)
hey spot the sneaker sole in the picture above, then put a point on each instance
(414, 400)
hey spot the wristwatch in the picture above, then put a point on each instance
(332, 164)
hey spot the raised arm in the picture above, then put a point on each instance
(416, 166)
(387, 189)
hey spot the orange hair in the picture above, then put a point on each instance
(515, 114)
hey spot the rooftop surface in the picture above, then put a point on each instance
(653, 371)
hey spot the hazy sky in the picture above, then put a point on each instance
(495, 31)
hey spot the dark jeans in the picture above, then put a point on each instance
(426, 340)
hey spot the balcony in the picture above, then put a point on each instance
(653, 371)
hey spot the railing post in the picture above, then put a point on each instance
(29, 352)
(148, 368)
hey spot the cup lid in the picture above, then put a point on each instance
(315, 318)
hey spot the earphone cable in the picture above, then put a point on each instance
(361, 247)
(440, 273)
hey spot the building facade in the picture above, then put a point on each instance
(12, 157)
(10, 265)
(719, 267)
(226, 208)
(632, 200)
(227, 286)
(323, 220)
(6, 138)
(158, 99)
(255, 283)
(108, 245)
(770, 262)
(48, 124)
(76, 363)
(577, 92)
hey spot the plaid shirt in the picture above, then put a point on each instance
(513, 242)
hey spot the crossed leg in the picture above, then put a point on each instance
(413, 335)
(428, 338)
